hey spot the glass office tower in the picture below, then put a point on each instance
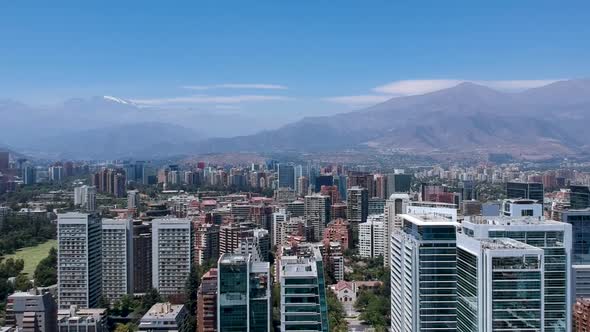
(303, 293)
(423, 274)
(499, 285)
(528, 190)
(555, 238)
(243, 294)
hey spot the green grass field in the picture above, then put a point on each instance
(33, 255)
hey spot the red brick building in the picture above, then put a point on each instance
(338, 231)
(582, 315)
(331, 191)
(207, 302)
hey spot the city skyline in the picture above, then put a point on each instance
(294, 166)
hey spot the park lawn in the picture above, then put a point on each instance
(33, 255)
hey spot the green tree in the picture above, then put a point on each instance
(129, 327)
(336, 313)
(127, 304)
(46, 271)
(11, 267)
(22, 283)
(150, 298)
(374, 307)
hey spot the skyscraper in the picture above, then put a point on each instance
(555, 238)
(579, 197)
(528, 190)
(322, 180)
(302, 185)
(29, 174)
(286, 176)
(398, 183)
(303, 293)
(206, 242)
(79, 264)
(423, 274)
(499, 285)
(357, 202)
(56, 173)
(4, 160)
(117, 258)
(317, 214)
(376, 205)
(142, 256)
(243, 294)
(373, 237)
(171, 254)
(132, 199)
(85, 198)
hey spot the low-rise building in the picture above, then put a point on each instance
(76, 320)
(41, 306)
(165, 317)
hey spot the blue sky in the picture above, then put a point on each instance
(283, 57)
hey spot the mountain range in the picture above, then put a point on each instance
(543, 122)
(538, 123)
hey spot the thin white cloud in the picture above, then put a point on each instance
(515, 85)
(205, 99)
(360, 100)
(414, 87)
(418, 87)
(252, 86)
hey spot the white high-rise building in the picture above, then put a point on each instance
(443, 210)
(56, 173)
(285, 225)
(85, 197)
(500, 285)
(555, 238)
(278, 219)
(318, 209)
(132, 199)
(171, 254)
(78, 195)
(117, 258)
(90, 199)
(373, 237)
(79, 263)
(395, 205)
(423, 274)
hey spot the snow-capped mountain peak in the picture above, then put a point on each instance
(118, 100)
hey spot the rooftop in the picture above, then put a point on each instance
(507, 220)
(164, 310)
(504, 243)
(298, 266)
(433, 204)
(428, 220)
(233, 259)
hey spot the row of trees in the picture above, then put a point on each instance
(24, 230)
